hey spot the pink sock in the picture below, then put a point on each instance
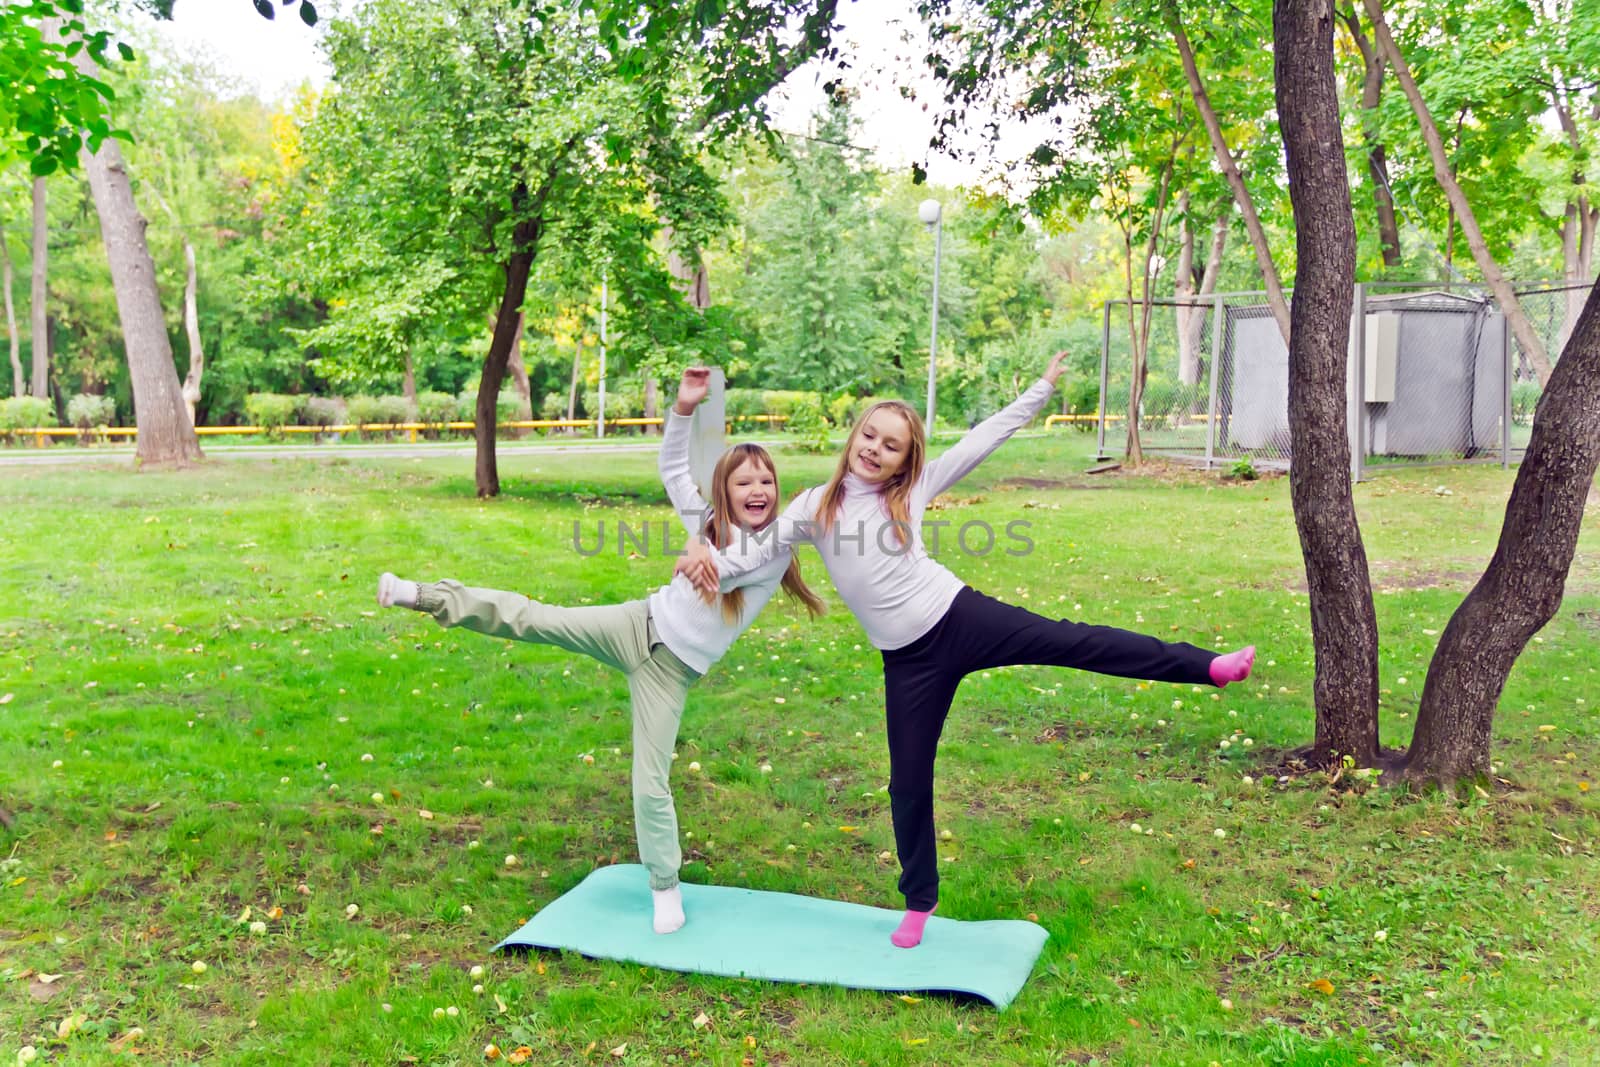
(909, 935)
(1234, 667)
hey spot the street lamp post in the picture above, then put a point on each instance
(600, 417)
(931, 214)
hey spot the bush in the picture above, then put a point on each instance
(840, 409)
(624, 401)
(25, 413)
(87, 411)
(863, 403)
(323, 411)
(785, 401)
(1524, 399)
(553, 406)
(271, 411)
(809, 425)
(739, 402)
(436, 407)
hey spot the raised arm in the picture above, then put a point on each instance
(673, 459)
(956, 463)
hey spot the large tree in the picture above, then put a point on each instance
(1344, 625)
(166, 434)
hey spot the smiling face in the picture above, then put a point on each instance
(880, 445)
(752, 493)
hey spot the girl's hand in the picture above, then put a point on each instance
(697, 566)
(1058, 365)
(692, 389)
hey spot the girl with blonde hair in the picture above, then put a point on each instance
(931, 628)
(664, 643)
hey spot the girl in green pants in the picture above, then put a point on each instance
(663, 644)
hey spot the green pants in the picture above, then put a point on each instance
(621, 636)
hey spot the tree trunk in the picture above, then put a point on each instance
(1377, 162)
(1183, 290)
(1241, 194)
(1192, 318)
(191, 326)
(1522, 586)
(1578, 224)
(525, 243)
(695, 280)
(519, 372)
(572, 390)
(38, 306)
(1577, 262)
(19, 383)
(408, 379)
(1521, 327)
(1139, 329)
(166, 436)
(1344, 627)
(519, 378)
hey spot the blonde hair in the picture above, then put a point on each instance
(720, 530)
(897, 489)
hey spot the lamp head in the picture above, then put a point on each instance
(928, 211)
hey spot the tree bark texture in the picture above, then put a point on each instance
(39, 295)
(1230, 170)
(19, 382)
(166, 436)
(1510, 306)
(1344, 627)
(191, 327)
(1523, 584)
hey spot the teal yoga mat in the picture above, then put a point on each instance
(781, 937)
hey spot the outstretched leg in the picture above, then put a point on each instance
(659, 687)
(614, 634)
(1003, 635)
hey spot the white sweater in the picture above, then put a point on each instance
(898, 592)
(694, 630)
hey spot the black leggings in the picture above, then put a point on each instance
(979, 632)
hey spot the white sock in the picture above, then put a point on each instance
(669, 909)
(396, 592)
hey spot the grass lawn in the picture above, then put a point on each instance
(205, 723)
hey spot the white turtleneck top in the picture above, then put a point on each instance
(896, 590)
(695, 631)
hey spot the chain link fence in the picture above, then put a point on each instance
(1436, 375)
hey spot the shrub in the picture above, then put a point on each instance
(25, 413)
(839, 408)
(738, 402)
(271, 411)
(863, 403)
(809, 425)
(1524, 399)
(1243, 470)
(436, 407)
(87, 411)
(785, 401)
(323, 411)
(553, 406)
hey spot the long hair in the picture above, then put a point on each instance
(720, 529)
(897, 490)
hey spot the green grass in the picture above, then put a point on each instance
(201, 654)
